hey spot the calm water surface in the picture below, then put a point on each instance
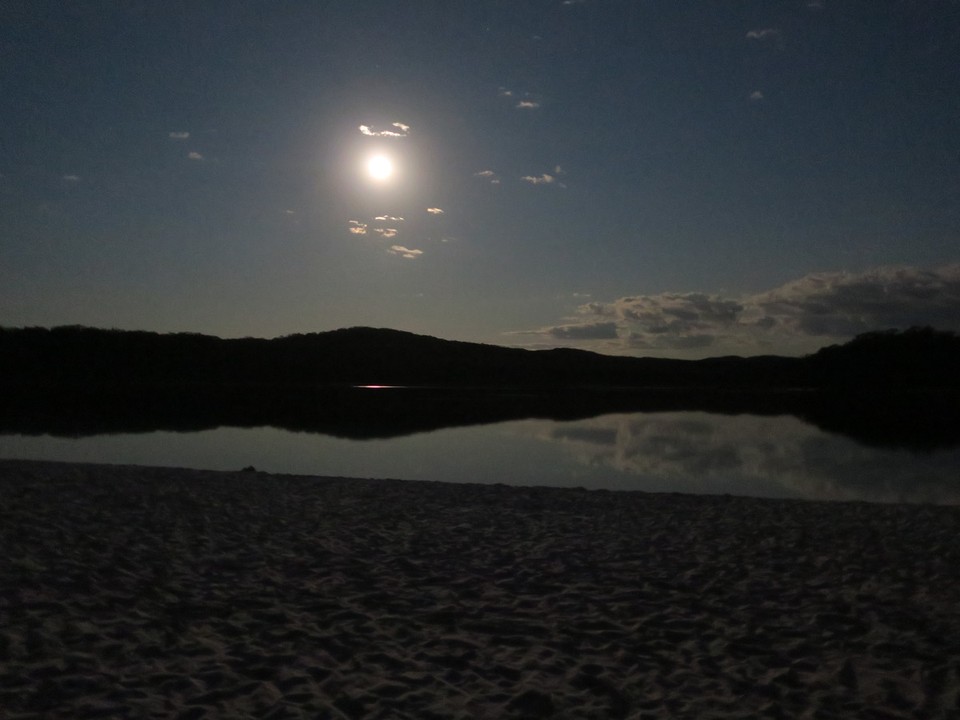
(688, 452)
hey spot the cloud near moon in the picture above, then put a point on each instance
(401, 130)
(405, 252)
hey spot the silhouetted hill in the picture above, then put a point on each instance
(354, 356)
(73, 356)
(894, 389)
(918, 357)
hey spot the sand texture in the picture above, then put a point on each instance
(130, 592)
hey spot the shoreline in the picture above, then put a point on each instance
(170, 592)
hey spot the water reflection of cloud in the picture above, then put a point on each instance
(750, 455)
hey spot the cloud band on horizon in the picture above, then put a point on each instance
(795, 318)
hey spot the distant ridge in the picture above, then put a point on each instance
(897, 389)
(81, 356)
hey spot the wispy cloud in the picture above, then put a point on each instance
(178, 135)
(357, 228)
(488, 175)
(796, 318)
(435, 211)
(408, 253)
(387, 232)
(388, 218)
(195, 156)
(544, 179)
(756, 95)
(762, 33)
(71, 178)
(400, 130)
(524, 100)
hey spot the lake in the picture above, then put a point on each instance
(778, 456)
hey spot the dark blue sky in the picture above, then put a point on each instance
(657, 177)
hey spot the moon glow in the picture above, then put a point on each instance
(379, 167)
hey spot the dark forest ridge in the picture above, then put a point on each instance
(81, 356)
(897, 389)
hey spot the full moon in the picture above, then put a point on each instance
(379, 167)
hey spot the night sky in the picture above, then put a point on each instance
(678, 178)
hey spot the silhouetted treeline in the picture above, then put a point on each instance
(355, 356)
(72, 356)
(918, 357)
(886, 388)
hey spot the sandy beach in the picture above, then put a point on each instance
(135, 592)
